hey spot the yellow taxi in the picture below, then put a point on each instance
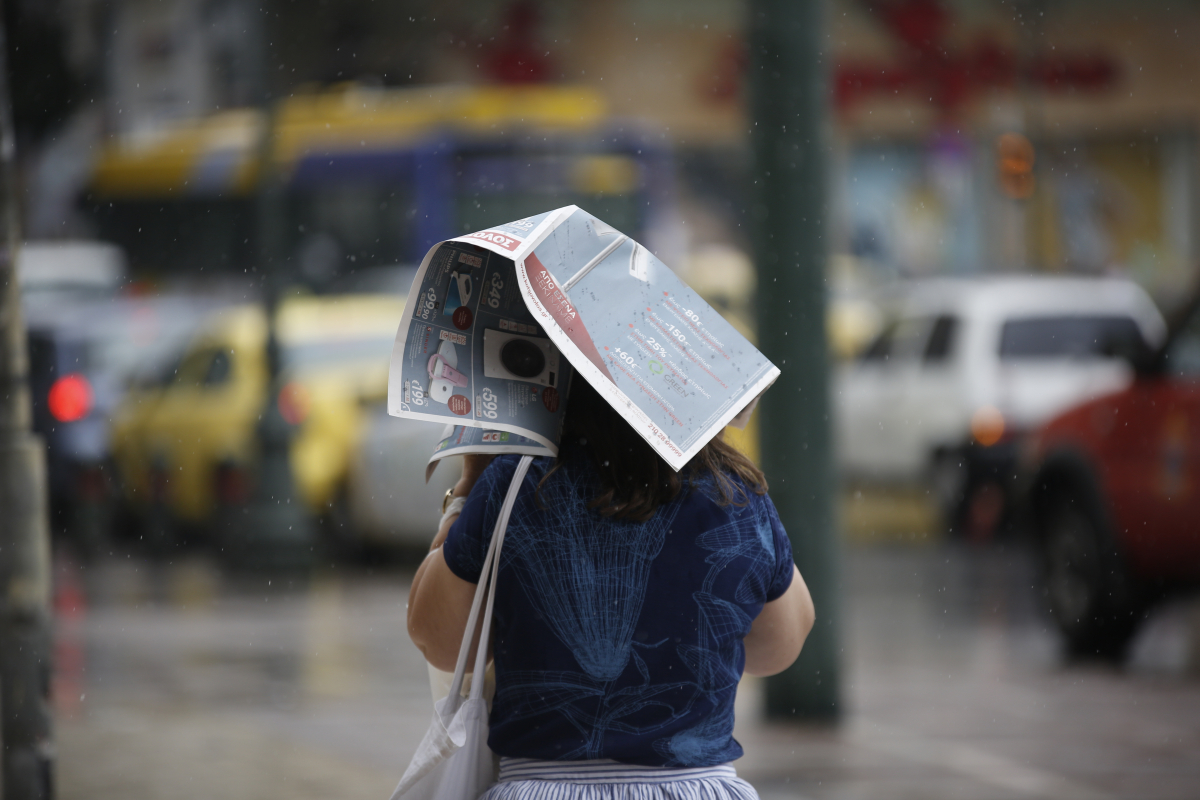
(187, 442)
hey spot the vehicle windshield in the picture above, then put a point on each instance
(140, 341)
(1183, 354)
(1064, 336)
(337, 353)
(355, 222)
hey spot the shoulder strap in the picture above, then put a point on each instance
(487, 584)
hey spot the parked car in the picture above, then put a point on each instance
(186, 445)
(82, 357)
(1114, 493)
(964, 367)
(390, 504)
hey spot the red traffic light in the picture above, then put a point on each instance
(70, 398)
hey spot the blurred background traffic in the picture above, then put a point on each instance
(223, 204)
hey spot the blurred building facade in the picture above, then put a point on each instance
(1051, 136)
(966, 135)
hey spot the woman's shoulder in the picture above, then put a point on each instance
(731, 497)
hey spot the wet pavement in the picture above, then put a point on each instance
(178, 680)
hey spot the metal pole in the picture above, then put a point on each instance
(788, 91)
(275, 529)
(24, 540)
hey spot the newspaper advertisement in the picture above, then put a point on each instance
(470, 353)
(661, 356)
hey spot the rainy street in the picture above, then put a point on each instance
(928, 268)
(181, 680)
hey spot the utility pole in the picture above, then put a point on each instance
(788, 90)
(25, 733)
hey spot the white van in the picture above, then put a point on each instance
(965, 366)
(53, 271)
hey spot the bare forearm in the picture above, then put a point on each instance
(439, 602)
(438, 607)
(778, 633)
(473, 467)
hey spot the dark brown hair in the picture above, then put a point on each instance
(634, 480)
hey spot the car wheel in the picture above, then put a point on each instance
(1086, 588)
(90, 514)
(232, 485)
(948, 481)
(160, 534)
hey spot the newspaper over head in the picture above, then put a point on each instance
(499, 322)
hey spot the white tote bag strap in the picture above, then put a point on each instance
(487, 584)
(453, 760)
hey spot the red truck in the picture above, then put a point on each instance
(1115, 495)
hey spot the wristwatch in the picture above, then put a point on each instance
(446, 498)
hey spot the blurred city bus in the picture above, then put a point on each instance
(344, 182)
(369, 176)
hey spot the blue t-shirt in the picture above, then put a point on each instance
(618, 639)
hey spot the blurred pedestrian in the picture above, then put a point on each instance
(630, 599)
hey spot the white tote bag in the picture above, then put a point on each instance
(453, 761)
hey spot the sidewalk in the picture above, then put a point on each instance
(197, 686)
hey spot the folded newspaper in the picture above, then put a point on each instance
(499, 322)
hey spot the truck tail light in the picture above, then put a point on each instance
(987, 426)
(70, 398)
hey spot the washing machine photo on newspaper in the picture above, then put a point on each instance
(517, 357)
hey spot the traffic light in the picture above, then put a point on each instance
(1014, 162)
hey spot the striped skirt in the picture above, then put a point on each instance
(530, 779)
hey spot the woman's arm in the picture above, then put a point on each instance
(439, 601)
(778, 633)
